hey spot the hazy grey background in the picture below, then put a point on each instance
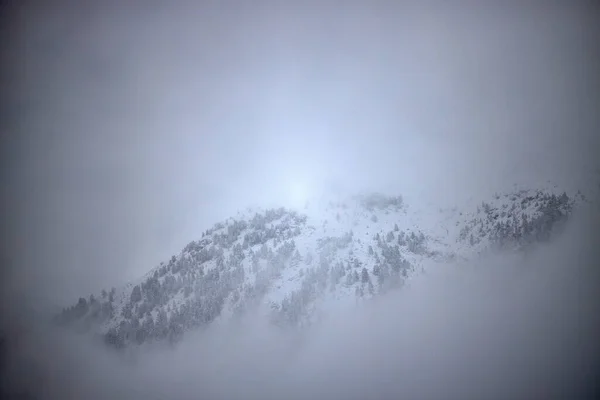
(130, 129)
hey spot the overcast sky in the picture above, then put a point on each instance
(129, 130)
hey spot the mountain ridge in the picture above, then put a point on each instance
(294, 266)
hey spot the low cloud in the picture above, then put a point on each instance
(131, 129)
(507, 326)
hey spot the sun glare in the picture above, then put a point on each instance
(298, 194)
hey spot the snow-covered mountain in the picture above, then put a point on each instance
(296, 266)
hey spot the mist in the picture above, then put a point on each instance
(128, 130)
(504, 326)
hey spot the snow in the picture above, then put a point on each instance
(334, 219)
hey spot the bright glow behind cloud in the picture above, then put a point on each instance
(298, 193)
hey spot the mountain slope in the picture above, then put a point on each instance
(295, 267)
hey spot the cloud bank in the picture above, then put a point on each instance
(130, 129)
(507, 326)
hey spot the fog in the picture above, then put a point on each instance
(127, 130)
(130, 129)
(506, 326)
